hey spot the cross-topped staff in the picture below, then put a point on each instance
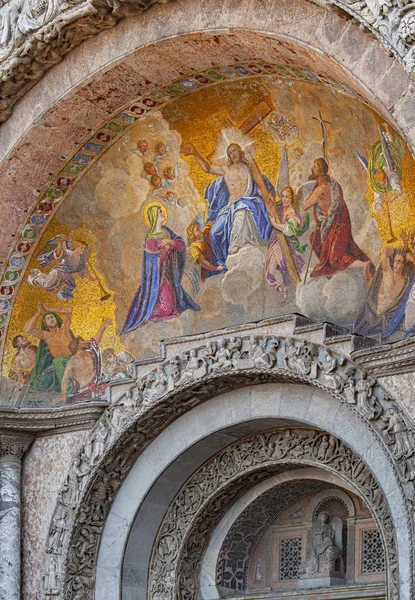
(324, 136)
(323, 124)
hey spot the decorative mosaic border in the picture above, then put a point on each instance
(108, 134)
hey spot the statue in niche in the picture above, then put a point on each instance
(57, 534)
(326, 553)
(51, 582)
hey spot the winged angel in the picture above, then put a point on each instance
(72, 256)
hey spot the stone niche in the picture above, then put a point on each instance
(325, 538)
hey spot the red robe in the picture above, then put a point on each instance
(332, 240)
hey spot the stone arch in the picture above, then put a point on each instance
(323, 496)
(55, 26)
(234, 518)
(187, 526)
(143, 410)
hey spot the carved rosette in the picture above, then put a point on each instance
(13, 447)
(174, 387)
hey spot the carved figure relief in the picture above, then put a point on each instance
(260, 357)
(326, 555)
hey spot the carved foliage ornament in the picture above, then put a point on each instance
(392, 21)
(185, 532)
(12, 447)
(36, 34)
(176, 386)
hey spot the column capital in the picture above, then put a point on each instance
(13, 446)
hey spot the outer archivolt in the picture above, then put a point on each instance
(130, 424)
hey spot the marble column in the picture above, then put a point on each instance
(12, 448)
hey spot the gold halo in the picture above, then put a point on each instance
(147, 208)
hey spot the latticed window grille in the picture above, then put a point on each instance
(290, 558)
(373, 556)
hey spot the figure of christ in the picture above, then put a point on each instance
(60, 279)
(235, 206)
(386, 299)
(332, 240)
(83, 372)
(53, 351)
(160, 295)
(201, 250)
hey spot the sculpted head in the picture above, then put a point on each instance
(324, 518)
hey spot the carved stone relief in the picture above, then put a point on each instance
(186, 380)
(186, 528)
(36, 34)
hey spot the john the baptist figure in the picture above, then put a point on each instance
(160, 295)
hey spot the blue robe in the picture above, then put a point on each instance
(395, 324)
(223, 214)
(145, 297)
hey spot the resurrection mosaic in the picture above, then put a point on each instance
(227, 197)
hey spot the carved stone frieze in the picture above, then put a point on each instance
(150, 404)
(36, 34)
(185, 531)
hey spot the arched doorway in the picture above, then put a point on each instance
(188, 433)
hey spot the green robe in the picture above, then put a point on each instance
(48, 372)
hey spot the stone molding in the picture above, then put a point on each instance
(50, 421)
(36, 34)
(155, 400)
(186, 529)
(13, 447)
(388, 359)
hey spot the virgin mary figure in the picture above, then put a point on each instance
(160, 295)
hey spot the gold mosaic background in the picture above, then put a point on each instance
(117, 226)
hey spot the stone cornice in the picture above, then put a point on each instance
(49, 421)
(36, 34)
(389, 359)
